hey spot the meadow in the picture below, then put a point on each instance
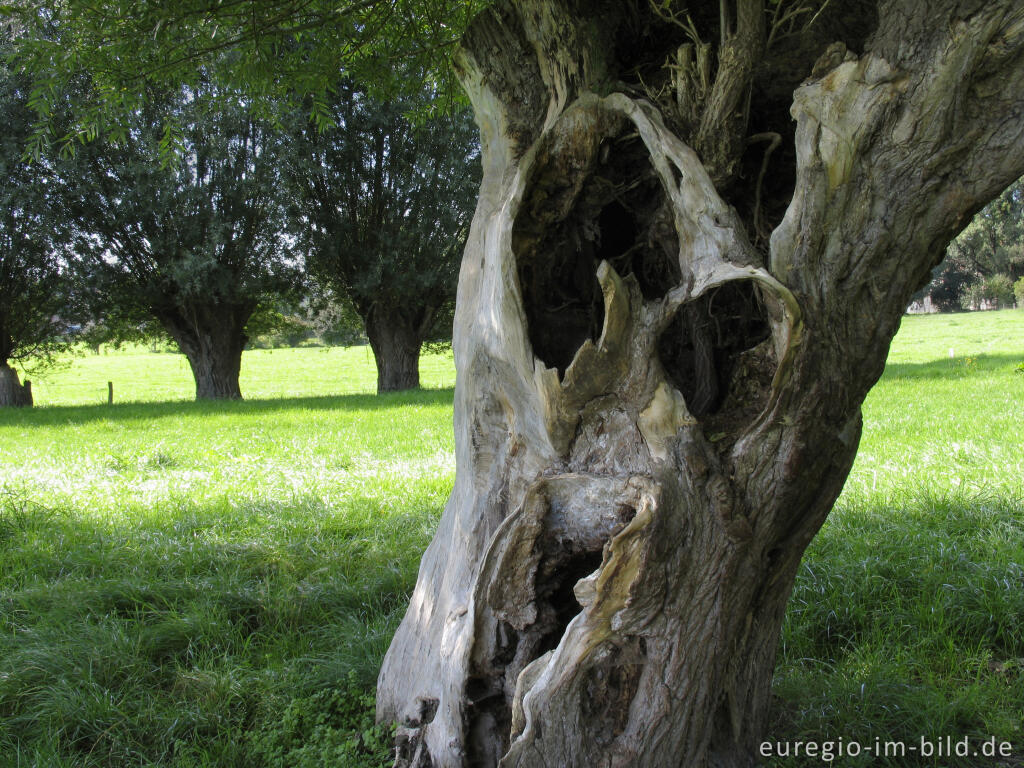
(186, 584)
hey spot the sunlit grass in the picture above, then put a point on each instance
(141, 376)
(174, 576)
(907, 620)
(938, 422)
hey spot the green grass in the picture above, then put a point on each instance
(177, 577)
(907, 620)
(140, 376)
(190, 585)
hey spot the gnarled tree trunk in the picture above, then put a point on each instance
(212, 338)
(656, 405)
(396, 341)
(12, 392)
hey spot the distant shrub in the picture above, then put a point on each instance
(1018, 292)
(993, 292)
(270, 328)
(971, 297)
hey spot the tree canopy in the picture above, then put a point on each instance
(268, 50)
(983, 261)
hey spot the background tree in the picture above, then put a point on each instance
(993, 243)
(990, 250)
(384, 208)
(34, 292)
(333, 318)
(950, 280)
(993, 292)
(197, 244)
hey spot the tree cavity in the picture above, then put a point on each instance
(718, 353)
(592, 197)
(533, 568)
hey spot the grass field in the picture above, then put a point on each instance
(907, 620)
(140, 376)
(188, 584)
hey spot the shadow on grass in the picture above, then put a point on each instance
(77, 414)
(954, 368)
(904, 624)
(199, 629)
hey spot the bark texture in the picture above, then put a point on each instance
(396, 341)
(12, 392)
(212, 338)
(656, 408)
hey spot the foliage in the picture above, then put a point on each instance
(949, 281)
(267, 50)
(992, 244)
(334, 727)
(115, 331)
(1018, 292)
(991, 292)
(336, 320)
(319, 319)
(206, 228)
(384, 205)
(269, 326)
(35, 294)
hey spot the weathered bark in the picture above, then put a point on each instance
(396, 341)
(212, 338)
(643, 457)
(12, 392)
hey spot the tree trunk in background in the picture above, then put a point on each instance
(212, 338)
(396, 341)
(653, 418)
(12, 392)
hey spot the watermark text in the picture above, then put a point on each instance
(829, 750)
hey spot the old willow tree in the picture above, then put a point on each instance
(697, 231)
(197, 244)
(383, 209)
